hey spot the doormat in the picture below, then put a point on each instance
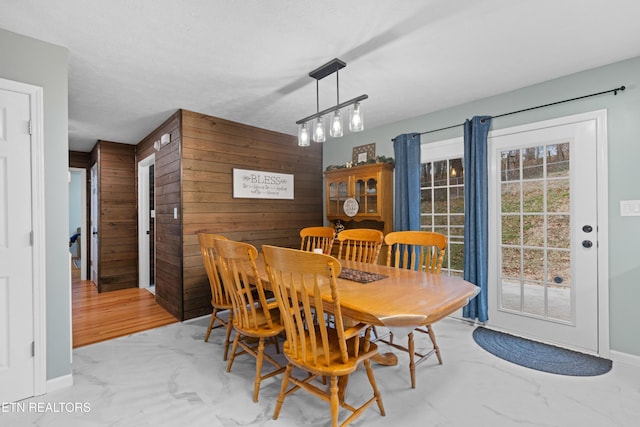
(540, 356)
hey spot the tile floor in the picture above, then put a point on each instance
(170, 377)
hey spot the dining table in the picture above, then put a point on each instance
(396, 298)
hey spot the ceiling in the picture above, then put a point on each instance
(134, 63)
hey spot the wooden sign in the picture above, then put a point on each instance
(250, 184)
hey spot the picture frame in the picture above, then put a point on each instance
(363, 153)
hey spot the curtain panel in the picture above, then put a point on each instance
(476, 205)
(406, 148)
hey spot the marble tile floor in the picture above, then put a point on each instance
(170, 377)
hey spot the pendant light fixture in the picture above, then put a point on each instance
(356, 123)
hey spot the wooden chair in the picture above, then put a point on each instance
(316, 347)
(422, 251)
(253, 316)
(360, 244)
(317, 237)
(220, 301)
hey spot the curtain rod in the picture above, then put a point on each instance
(615, 92)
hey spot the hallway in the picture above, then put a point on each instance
(100, 317)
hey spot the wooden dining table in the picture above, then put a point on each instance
(398, 298)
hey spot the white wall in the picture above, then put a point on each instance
(624, 170)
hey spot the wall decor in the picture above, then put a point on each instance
(250, 184)
(363, 153)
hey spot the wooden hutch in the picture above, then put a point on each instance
(371, 186)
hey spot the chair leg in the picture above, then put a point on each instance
(234, 348)
(213, 319)
(334, 401)
(259, 361)
(412, 365)
(283, 390)
(374, 386)
(435, 345)
(227, 338)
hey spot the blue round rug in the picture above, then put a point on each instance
(540, 356)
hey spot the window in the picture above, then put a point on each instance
(442, 198)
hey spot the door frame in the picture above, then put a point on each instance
(602, 177)
(83, 235)
(35, 94)
(144, 255)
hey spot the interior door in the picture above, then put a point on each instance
(17, 377)
(146, 217)
(94, 223)
(544, 231)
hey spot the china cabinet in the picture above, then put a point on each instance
(361, 196)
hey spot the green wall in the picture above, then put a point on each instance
(623, 112)
(42, 64)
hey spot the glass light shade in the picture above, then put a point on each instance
(356, 123)
(303, 135)
(319, 134)
(336, 125)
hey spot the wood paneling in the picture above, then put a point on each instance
(211, 148)
(117, 222)
(167, 229)
(193, 174)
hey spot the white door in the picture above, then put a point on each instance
(543, 229)
(16, 251)
(94, 223)
(146, 215)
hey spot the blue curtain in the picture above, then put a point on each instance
(406, 149)
(476, 207)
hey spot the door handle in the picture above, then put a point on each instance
(587, 243)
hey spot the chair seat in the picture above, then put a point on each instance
(335, 365)
(262, 328)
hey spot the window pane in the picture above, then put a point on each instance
(511, 229)
(456, 199)
(559, 231)
(533, 196)
(533, 162)
(533, 262)
(456, 257)
(510, 165)
(456, 172)
(558, 197)
(511, 262)
(440, 173)
(425, 175)
(558, 157)
(559, 267)
(425, 202)
(533, 230)
(510, 197)
(440, 200)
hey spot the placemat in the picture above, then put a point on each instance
(359, 275)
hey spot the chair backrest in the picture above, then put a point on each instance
(219, 297)
(416, 250)
(360, 244)
(317, 237)
(296, 278)
(240, 278)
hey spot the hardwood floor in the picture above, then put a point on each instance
(100, 317)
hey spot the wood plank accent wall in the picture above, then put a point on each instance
(211, 148)
(168, 236)
(117, 222)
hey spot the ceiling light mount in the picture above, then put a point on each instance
(335, 123)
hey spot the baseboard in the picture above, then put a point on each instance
(629, 359)
(59, 383)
